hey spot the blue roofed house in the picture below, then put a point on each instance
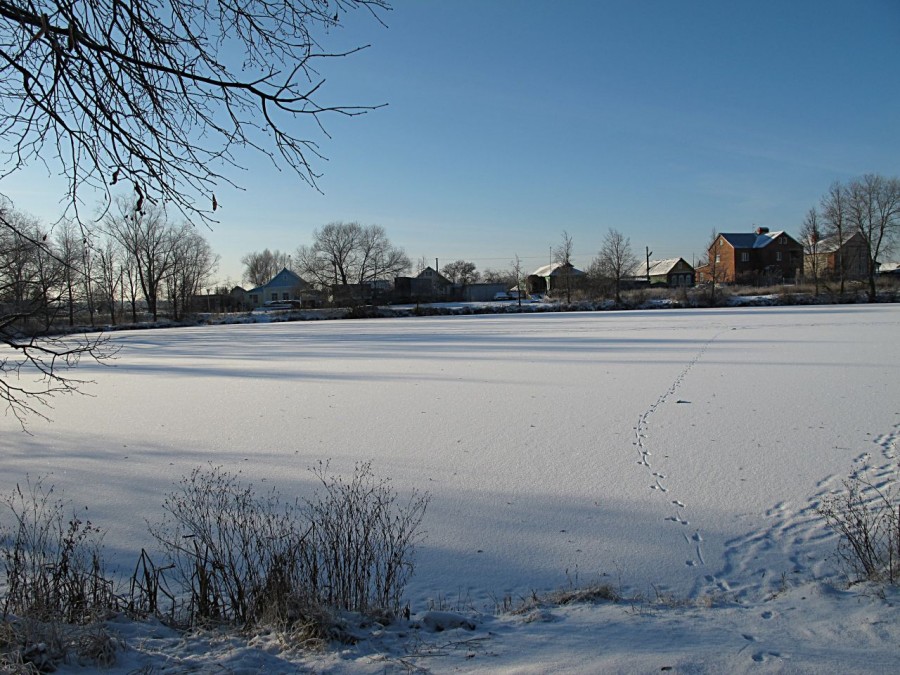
(285, 286)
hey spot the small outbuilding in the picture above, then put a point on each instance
(553, 277)
(672, 272)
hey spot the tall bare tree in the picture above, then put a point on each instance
(261, 266)
(616, 260)
(519, 278)
(70, 246)
(349, 253)
(34, 366)
(192, 264)
(145, 237)
(811, 238)
(378, 258)
(836, 226)
(460, 272)
(492, 276)
(873, 206)
(109, 262)
(562, 254)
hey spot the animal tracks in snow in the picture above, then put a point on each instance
(791, 542)
(641, 444)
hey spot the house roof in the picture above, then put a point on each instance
(431, 273)
(553, 270)
(284, 278)
(833, 243)
(751, 239)
(657, 267)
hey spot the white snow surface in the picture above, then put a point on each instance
(677, 455)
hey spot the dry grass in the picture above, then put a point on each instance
(31, 646)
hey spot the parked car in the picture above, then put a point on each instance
(502, 296)
(278, 306)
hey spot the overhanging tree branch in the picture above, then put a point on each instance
(163, 93)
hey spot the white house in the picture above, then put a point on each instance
(283, 287)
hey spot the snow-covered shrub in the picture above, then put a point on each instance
(243, 558)
(361, 540)
(231, 550)
(866, 518)
(52, 560)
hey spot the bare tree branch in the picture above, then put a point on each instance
(162, 94)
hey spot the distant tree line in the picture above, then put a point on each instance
(341, 254)
(67, 276)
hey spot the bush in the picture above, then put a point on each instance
(53, 564)
(239, 557)
(867, 521)
(361, 541)
(232, 552)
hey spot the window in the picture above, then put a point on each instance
(274, 296)
(783, 241)
(718, 258)
(778, 256)
(285, 296)
(745, 256)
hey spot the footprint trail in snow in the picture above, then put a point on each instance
(657, 479)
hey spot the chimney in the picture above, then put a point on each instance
(762, 230)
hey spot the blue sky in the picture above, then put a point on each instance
(509, 122)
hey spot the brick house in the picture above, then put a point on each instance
(757, 258)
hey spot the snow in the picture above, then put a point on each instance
(675, 455)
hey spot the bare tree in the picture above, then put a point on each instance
(69, 247)
(332, 256)
(378, 258)
(714, 268)
(34, 366)
(192, 263)
(562, 254)
(492, 276)
(159, 95)
(349, 253)
(144, 235)
(460, 272)
(157, 98)
(261, 266)
(131, 284)
(49, 272)
(30, 274)
(519, 278)
(836, 225)
(110, 266)
(616, 260)
(811, 237)
(873, 206)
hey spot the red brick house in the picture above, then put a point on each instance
(757, 258)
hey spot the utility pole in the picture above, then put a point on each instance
(649, 253)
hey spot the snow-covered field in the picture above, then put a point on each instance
(678, 455)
